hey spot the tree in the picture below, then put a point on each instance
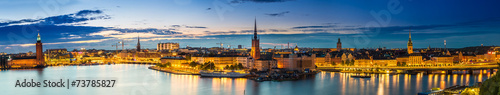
(333, 63)
(168, 64)
(240, 66)
(193, 64)
(343, 62)
(398, 64)
(352, 62)
(404, 64)
(208, 66)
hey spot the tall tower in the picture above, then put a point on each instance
(410, 44)
(339, 45)
(39, 51)
(138, 44)
(255, 43)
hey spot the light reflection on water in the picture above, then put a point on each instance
(138, 80)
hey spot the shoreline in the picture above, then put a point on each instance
(171, 71)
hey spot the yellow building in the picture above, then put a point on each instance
(415, 59)
(385, 62)
(323, 60)
(362, 62)
(175, 61)
(443, 60)
(220, 61)
(23, 62)
(295, 61)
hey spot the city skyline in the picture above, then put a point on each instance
(317, 25)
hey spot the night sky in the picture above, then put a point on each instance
(99, 24)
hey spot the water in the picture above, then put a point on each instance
(138, 80)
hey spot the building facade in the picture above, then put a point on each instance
(255, 52)
(167, 46)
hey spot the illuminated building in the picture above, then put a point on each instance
(29, 61)
(24, 62)
(255, 52)
(415, 59)
(296, 49)
(339, 45)
(444, 60)
(410, 44)
(295, 61)
(220, 60)
(264, 64)
(175, 61)
(323, 59)
(384, 62)
(167, 46)
(363, 62)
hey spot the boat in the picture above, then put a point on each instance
(231, 74)
(361, 76)
(433, 91)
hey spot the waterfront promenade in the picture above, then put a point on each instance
(449, 69)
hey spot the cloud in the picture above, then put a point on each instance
(71, 36)
(75, 18)
(278, 14)
(185, 26)
(195, 27)
(105, 33)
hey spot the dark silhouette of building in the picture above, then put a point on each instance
(339, 45)
(138, 44)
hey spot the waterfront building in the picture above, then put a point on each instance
(339, 45)
(255, 52)
(23, 62)
(415, 59)
(174, 61)
(362, 62)
(245, 61)
(265, 64)
(410, 44)
(296, 61)
(443, 60)
(58, 56)
(384, 62)
(323, 59)
(167, 46)
(29, 61)
(220, 61)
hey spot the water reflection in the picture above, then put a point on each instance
(137, 79)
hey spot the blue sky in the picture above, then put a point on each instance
(75, 24)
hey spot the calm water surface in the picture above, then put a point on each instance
(138, 80)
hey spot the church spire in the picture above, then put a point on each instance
(410, 44)
(409, 39)
(255, 29)
(138, 43)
